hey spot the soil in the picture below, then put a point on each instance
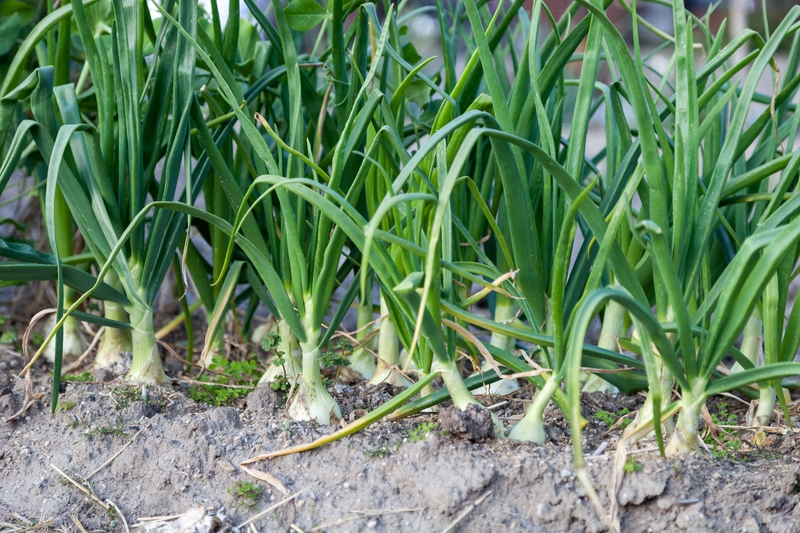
(175, 455)
(155, 452)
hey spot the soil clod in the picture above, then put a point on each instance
(263, 397)
(473, 423)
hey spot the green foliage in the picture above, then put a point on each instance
(610, 419)
(271, 341)
(631, 466)
(227, 381)
(247, 494)
(381, 451)
(115, 431)
(727, 447)
(123, 397)
(9, 336)
(421, 432)
(338, 355)
(65, 406)
(722, 417)
(724, 443)
(83, 377)
(304, 15)
(280, 384)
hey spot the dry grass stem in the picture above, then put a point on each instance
(77, 363)
(272, 508)
(102, 466)
(77, 523)
(269, 478)
(83, 489)
(471, 507)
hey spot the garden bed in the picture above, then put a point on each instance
(406, 475)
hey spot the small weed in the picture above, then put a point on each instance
(271, 341)
(242, 374)
(726, 443)
(632, 466)
(280, 384)
(65, 406)
(9, 336)
(123, 397)
(247, 494)
(727, 448)
(722, 417)
(381, 451)
(75, 423)
(422, 431)
(112, 514)
(337, 357)
(115, 431)
(378, 453)
(83, 377)
(605, 417)
(609, 419)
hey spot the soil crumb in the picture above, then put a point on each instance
(473, 424)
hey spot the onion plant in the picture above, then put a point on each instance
(307, 253)
(706, 291)
(532, 190)
(347, 178)
(105, 178)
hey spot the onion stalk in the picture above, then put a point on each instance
(388, 354)
(362, 360)
(115, 341)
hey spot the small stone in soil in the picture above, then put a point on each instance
(474, 423)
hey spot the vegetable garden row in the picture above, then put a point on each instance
(310, 161)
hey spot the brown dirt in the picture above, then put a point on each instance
(398, 476)
(473, 423)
